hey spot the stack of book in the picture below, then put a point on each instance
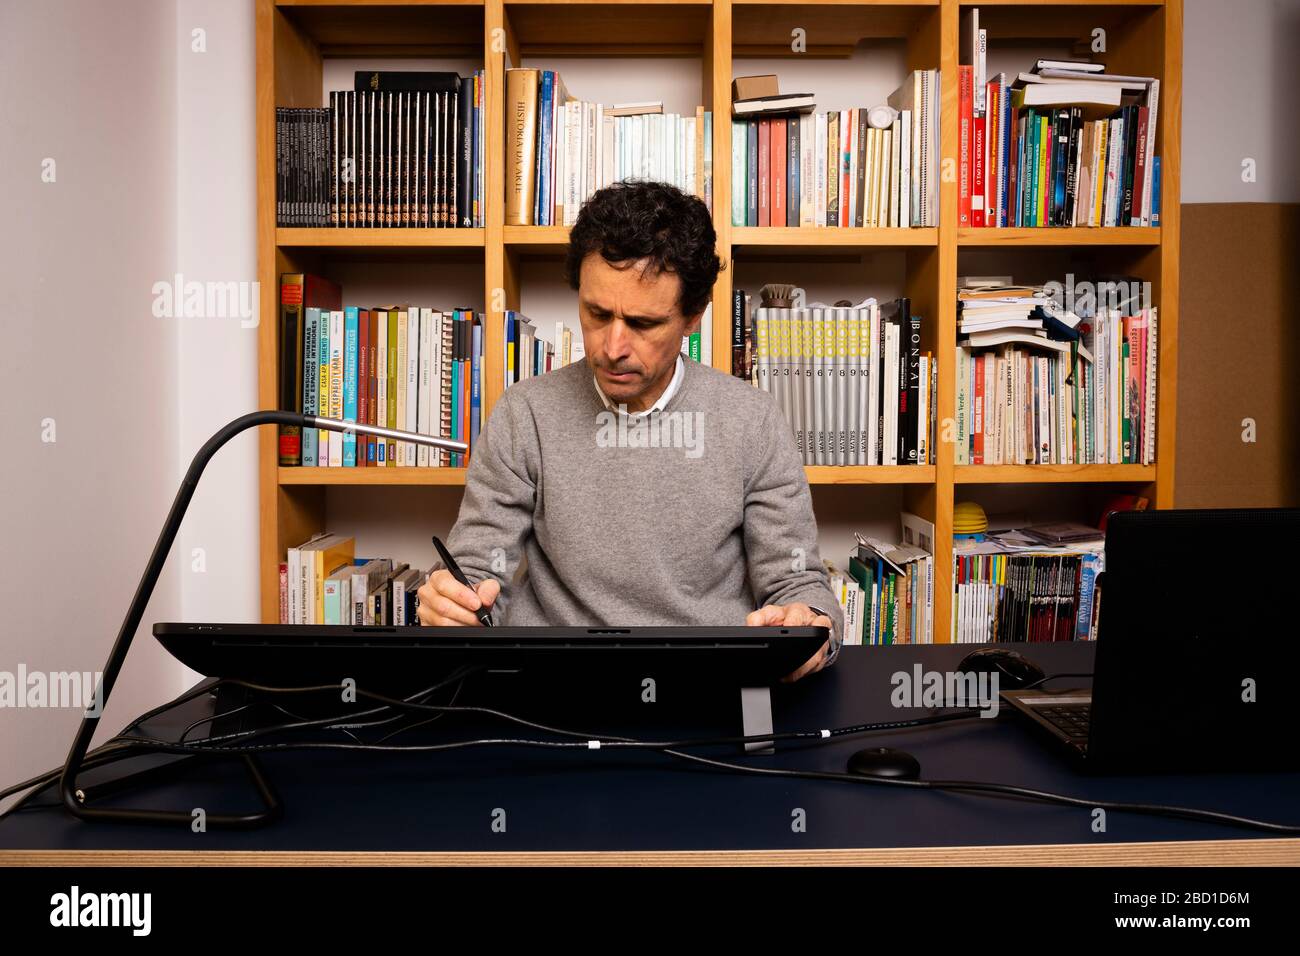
(323, 582)
(1035, 584)
(856, 167)
(853, 381)
(888, 594)
(403, 149)
(1039, 384)
(560, 150)
(412, 368)
(1064, 144)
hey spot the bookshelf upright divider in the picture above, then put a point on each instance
(293, 37)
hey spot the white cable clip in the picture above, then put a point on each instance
(825, 734)
(593, 744)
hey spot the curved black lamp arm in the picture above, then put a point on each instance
(74, 801)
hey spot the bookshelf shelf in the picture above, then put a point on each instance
(352, 238)
(714, 40)
(870, 474)
(1045, 474)
(1061, 236)
(371, 476)
(537, 238)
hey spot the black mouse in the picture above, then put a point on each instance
(1014, 670)
(885, 762)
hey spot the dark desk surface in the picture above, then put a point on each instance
(634, 805)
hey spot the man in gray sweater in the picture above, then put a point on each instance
(640, 487)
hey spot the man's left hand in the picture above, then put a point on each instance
(794, 615)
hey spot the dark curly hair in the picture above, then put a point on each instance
(634, 220)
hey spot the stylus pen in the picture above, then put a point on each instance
(484, 615)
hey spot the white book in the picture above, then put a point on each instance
(819, 391)
(895, 146)
(336, 386)
(293, 560)
(436, 457)
(872, 356)
(399, 381)
(424, 419)
(1113, 171)
(1153, 104)
(738, 172)
(890, 456)
(412, 382)
(905, 141)
(852, 371)
(801, 411)
(922, 412)
(834, 363)
(840, 372)
(819, 171)
(706, 335)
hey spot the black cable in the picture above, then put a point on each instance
(973, 786)
(668, 747)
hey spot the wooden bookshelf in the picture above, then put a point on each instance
(295, 37)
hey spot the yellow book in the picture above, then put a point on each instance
(333, 553)
(521, 145)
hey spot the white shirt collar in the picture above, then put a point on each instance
(658, 406)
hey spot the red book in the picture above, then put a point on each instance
(842, 157)
(977, 429)
(1139, 166)
(764, 172)
(977, 196)
(298, 292)
(965, 104)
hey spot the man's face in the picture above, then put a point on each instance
(632, 328)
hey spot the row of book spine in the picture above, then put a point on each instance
(1092, 402)
(1017, 598)
(527, 354)
(383, 159)
(323, 582)
(836, 169)
(560, 150)
(411, 368)
(854, 382)
(1051, 166)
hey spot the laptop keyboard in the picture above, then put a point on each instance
(1070, 719)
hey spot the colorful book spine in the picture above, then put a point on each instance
(351, 317)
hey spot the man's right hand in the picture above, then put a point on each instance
(445, 602)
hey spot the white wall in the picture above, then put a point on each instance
(1240, 78)
(88, 85)
(216, 357)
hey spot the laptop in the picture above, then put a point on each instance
(1198, 652)
(297, 654)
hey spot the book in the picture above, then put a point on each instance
(298, 292)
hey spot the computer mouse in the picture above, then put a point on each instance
(1014, 670)
(885, 762)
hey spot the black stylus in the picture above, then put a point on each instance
(484, 615)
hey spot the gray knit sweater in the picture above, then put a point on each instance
(697, 514)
